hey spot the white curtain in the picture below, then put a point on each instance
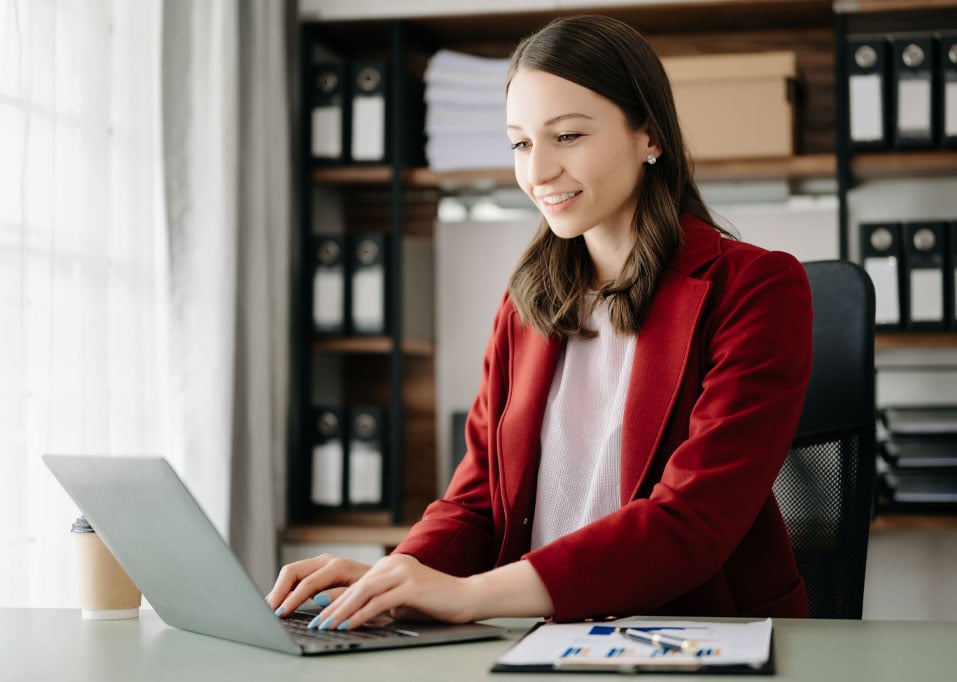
(81, 265)
(144, 250)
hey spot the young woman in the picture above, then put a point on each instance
(641, 387)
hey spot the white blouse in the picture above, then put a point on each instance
(579, 477)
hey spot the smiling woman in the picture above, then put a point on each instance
(641, 387)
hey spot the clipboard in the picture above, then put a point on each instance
(723, 648)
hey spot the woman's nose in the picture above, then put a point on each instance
(542, 166)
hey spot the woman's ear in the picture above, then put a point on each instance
(648, 145)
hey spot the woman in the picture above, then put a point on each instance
(641, 387)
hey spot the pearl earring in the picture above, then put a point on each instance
(652, 159)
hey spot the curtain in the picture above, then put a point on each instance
(144, 250)
(226, 144)
(82, 363)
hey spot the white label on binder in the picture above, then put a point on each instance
(365, 473)
(368, 128)
(867, 118)
(926, 295)
(950, 109)
(327, 132)
(913, 105)
(327, 474)
(883, 273)
(328, 298)
(368, 300)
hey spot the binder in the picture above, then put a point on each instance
(369, 112)
(329, 285)
(867, 77)
(925, 249)
(913, 91)
(368, 285)
(328, 457)
(366, 476)
(882, 258)
(329, 120)
(951, 277)
(947, 61)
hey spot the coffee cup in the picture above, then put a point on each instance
(106, 592)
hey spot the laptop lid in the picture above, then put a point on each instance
(161, 537)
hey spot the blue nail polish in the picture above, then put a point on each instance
(281, 610)
(313, 623)
(344, 625)
(322, 599)
(326, 624)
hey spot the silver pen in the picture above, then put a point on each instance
(660, 639)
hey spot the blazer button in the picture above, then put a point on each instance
(525, 521)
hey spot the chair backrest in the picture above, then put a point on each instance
(826, 488)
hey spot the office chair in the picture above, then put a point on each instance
(826, 487)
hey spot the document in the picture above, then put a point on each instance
(638, 644)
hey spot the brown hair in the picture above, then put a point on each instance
(553, 276)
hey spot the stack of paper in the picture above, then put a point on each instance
(465, 112)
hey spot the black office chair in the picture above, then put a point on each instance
(826, 487)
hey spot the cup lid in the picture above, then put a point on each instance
(81, 525)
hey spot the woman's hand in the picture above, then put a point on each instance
(302, 580)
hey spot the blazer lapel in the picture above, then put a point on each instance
(662, 349)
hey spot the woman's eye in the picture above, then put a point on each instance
(568, 137)
(520, 145)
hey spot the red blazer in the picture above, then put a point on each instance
(717, 385)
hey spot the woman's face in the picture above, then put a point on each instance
(575, 156)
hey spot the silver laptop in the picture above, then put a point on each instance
(162, 538)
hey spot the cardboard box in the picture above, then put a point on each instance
(735, 106)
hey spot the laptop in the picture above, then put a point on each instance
(162, 538)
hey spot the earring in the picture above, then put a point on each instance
(652, 159)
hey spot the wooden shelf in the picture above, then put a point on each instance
(385, 535)
(374, 345)
(866, 166)
(901, 521)
(863, 6)
(801, 167)
(915, 339)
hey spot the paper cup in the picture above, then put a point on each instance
(106, 592)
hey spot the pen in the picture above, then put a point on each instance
(659, 639)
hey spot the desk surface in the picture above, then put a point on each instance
(56, 644)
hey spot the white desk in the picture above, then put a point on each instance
(56, 644)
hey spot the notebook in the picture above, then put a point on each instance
(162, 538)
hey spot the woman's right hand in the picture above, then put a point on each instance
(302, 580)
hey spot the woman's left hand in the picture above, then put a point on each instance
(401, 587)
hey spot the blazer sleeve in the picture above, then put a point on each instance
(755, 345)
(456, 533)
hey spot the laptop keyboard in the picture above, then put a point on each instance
(297, 625)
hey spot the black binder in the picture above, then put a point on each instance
(329, 285)
(913, 91)
(327, 476)
(925, 249)
(329, 121)
(370, 112)
(367, 461)
(867, 86)
(882, 258)
(947, 88)
(369, 304)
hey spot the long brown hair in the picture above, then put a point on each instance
(553, 276)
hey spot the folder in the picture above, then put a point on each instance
(328, 124)
(882, 258)
(369, 112)
(952, 276)
(866, 92)
(329, 285)
(913, 60)
(328, 457)
(925, 249)
(947, 61)
(368, 285)
(367, 437)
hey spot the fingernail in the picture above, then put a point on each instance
(322, 599)
(326, 624)
(281, 610)
(313, 623)
(344, 625)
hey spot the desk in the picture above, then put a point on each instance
(56, 644)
